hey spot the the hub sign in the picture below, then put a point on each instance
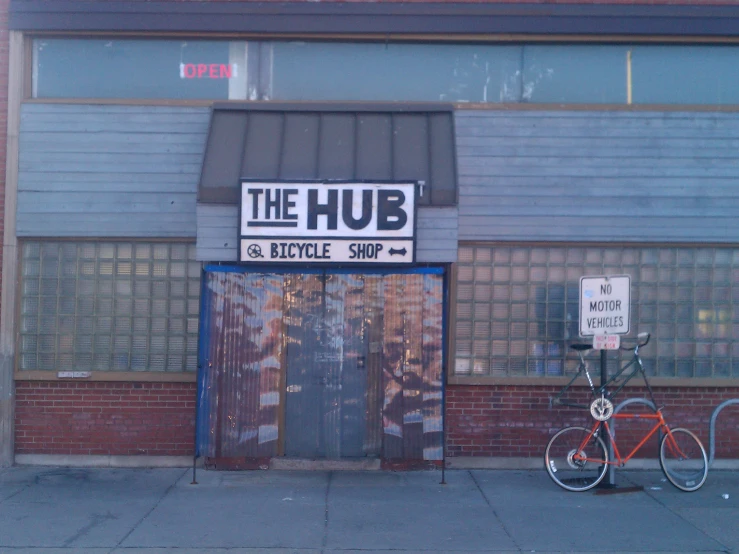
(343, 223)
(605, 303)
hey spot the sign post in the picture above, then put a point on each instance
(605, 305)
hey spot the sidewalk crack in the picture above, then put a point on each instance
(95, 520)
(497, 517)
(324, 541)
(147, 514)
(16, 493)
(666, 507)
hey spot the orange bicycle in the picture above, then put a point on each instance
(577, 459)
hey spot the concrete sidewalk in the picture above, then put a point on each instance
(62, 510)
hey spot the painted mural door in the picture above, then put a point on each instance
(331, 390)
(321, 365)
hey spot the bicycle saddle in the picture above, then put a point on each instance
(581, 347)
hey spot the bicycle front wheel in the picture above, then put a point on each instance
(564, 459)
(683, 460)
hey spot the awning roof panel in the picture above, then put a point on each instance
(249, 141)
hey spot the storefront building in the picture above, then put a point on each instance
(264, 232)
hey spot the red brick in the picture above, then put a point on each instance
(88, 418)
(509, 427)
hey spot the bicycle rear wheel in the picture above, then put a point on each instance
(683, 460)
(574, 474)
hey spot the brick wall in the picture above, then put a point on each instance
(107, 418)
(496, 421)
(516, 421)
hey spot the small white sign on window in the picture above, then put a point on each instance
(606, 342)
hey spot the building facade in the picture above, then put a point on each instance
(253, 232)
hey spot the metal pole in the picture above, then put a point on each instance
(606, 483)
(195, 438)
(448, 277)
(443, 425)
(195, 434)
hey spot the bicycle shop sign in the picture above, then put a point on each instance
(605, 304)
(327, 223)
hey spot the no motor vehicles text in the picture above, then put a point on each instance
(605, 305)
(604, 322)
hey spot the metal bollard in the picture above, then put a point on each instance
(712, 428)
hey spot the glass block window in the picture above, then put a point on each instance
(108, 306)
(517, 308)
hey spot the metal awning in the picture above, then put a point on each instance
(330, 142)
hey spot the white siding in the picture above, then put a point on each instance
(109, 171)
(598, 176)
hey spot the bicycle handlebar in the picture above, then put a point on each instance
(618, 380)
(641, 340)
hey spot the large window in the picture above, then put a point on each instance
(517, 308)
(100, 68)
(109, 306)
(373, 71)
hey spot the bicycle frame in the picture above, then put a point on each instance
(660, 424)
(638, 367)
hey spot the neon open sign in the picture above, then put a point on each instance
(208, 70)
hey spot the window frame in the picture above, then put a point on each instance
(163, 376)
(259, 54)
(557, 381)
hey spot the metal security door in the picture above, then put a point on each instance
(239, 375)
(326, 367)
(321, 365)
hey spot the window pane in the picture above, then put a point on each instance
(105, 317)
(344, 71)
(574, 74)
(685, 75)
(102, 68)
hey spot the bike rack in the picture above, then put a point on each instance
(712, 428)
(611, 473)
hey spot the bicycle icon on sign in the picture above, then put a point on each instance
(254, 251)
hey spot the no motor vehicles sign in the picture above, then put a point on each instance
(605, 303)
